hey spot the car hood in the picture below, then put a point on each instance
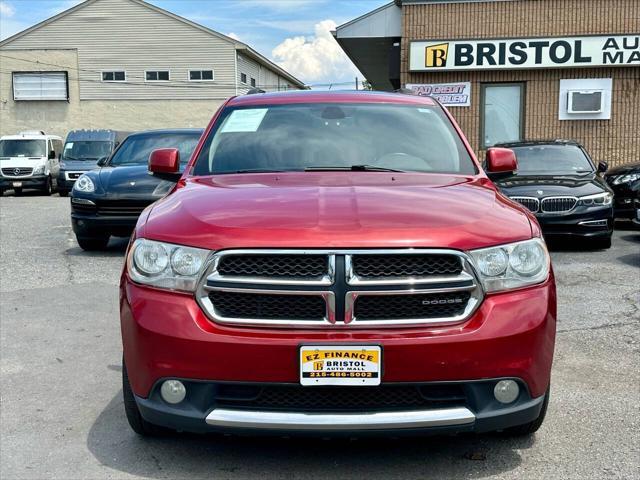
(132, 182)
(549, 186)
(22, 162)
(81, 165)
(336, 209)
(622, 169)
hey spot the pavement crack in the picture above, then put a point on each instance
(596, 327)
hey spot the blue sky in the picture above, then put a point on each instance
(294, 33)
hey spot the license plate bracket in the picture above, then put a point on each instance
(344, 365)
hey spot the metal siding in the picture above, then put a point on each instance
(124, 35)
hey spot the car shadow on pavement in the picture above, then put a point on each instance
(116, 248)
(114, 445)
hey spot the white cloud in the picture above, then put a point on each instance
(233, 35)
(317, 59)
(6, 9)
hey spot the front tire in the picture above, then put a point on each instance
(136, 422)
(531, 427)
(91, 244)
(48, 188)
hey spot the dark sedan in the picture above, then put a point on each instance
(625, 182)
(561, 185)
(109, 200)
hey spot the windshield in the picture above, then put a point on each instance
(135, 150)
(23, 148)
(552, 160)
(302, 137)
(86, 150)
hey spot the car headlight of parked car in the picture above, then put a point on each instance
(165, 265)
(513, 265)
(84, 184)
(604, 198)
(39, 170)
(628, 178)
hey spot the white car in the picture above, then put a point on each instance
(29, 160)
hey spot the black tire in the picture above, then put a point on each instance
(136, 422)
(531, 427)
(63, 193)
(601, 243)
(93, 243)
(48, 189)
(17, 191)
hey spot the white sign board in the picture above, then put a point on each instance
(448, 94)
(508, 54)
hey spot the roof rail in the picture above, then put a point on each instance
(253, 91)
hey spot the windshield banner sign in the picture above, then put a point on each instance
(557, 52)
(448, 94)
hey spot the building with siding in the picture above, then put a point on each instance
(124, 65)
(513, 69)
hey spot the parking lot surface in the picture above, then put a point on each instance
(61, 405)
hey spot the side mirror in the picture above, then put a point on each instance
(102, 161)
(501, 162)
(52, 155)
(164, 163)
(603, 167)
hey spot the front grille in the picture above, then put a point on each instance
(290, 266)
(340, 399)
(121, 208)
(531, 203)
(558, 204)
(268, 306)
(430, 305)
(339, 288)
(389, 266)
(17, 172)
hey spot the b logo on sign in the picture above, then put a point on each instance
(436, 55)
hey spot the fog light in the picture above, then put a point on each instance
(173, 391)
(506, 391)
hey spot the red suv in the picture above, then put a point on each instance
(336, 262)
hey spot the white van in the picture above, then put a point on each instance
(29, 160)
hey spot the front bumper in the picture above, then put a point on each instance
(586, 222)
(478, 412)
(166, 335)
(35, 181)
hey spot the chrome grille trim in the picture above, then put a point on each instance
(558, 205)
(330, 286)
(16, 172)
(531, 203)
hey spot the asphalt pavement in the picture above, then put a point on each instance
(61, 412)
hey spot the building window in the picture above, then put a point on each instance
(253, 82)
(157, 76)
(116, 76)
(40, 86)
(200, 75)
(243, 78)
(501, 113)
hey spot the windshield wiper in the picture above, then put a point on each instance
(256, 170)
(353, 168)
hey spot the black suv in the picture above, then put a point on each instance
(563, 187)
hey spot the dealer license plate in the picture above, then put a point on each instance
(344, 365)
(17, 184)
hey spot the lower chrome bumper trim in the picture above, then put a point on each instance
(221, 417)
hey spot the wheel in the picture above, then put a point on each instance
(601, 243)
(93, 243)
(48, 189)
(63, 193)
(136, 422)
(17, 191)
(531, 427)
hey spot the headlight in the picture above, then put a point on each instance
(512, 266)
(604, 198)
(166, 265)
(84, 184)
(39, 170)
(628, 178)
